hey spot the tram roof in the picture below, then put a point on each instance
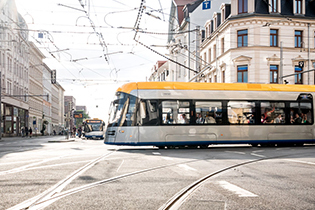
(128, 87)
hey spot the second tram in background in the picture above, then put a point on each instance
(199, 114)
(94, 129)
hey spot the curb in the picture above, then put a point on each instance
(61, 141)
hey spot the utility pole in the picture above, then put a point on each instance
(0, 108)
(281, 65)
(198, 48)
(308, 54)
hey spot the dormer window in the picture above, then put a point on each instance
(299, 7)
(274, 6)
(223, 15)
(242, 6)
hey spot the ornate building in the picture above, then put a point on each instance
(14, 70)
(259, 42)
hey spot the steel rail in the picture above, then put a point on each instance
(40, 204)
(178, 199)
(30, 203)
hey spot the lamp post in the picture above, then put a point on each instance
(0, 107)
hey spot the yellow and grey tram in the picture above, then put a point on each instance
(200, 114)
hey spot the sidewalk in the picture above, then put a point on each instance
(52, 139)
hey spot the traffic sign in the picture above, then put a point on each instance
(206, 5)
(53, 77)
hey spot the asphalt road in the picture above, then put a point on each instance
(52, 173)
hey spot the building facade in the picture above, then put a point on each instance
(159, 71)
(251, 41)
(57, 108)
(47, 100)
(260, 42)
(187, 20)
(36, 100)
(70, 105)
(14, 70)
(25, 81)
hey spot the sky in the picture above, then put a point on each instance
(91, 44)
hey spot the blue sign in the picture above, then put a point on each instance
(206, 5)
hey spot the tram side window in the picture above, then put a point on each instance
(241, 112)
(131, 113)
(272, 112)
(148, 113)
(175, 112)
(301, 113)
(208, 112)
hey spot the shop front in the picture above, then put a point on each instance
(14, 120)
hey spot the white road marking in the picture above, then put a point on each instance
(11, 163)
(235, 189)
(167, 158)
(122, 162)
(262, 156)
(300, 161)
(186, 167)
(156, 153)
(57, 188)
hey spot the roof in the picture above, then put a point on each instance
(180, 4)
(127, 88)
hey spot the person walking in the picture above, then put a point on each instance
(30, 131)
(80, 131)
(26, 131)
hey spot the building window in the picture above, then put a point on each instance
(242, 6)
(298, 39)
(222, 45)
(223, 77)
(298, 77)
(273, 74)
(273, 6)
(214, 51)
(223, 15)
(242, 72)
(298, 6)
(242, 38)
(273, 38)
(209, 55)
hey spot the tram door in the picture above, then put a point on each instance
(128, 130)
(147, 121)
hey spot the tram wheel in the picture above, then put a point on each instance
(204, 146)
(161, 147)
(254, 145)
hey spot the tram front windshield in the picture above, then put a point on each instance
(122, 110)
(98, 126)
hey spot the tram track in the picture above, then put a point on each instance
(54, 193)
(181, 197)
(57, 188)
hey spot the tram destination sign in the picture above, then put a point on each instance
(78, 114)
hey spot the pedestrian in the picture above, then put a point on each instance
(80, 131)
(22, 131)
(26, 131)
(74, 131)
(31, 131)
